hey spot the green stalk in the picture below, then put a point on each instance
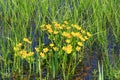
(64, 66)
(100, 69)
(40, 71)
(30, 67)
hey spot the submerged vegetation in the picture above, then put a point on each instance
(48, 39)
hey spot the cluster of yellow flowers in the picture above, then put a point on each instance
(66, 37)
(41, 53)
(23, 52)
(53, 47)
(73, 35)
(46, 50)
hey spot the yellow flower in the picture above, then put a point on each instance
(81, 38)
(67, 41)
(57, 25)
(48, 26)
(55, 32)
(37, 49)
(86, 37)
(75, 34)
(45, 50)
(27, 40)
(42, 54)
(54, 22)
(50, 30)
(63, 25)
(24, 56)
(67, 49)
(55, 48)
(16, 48)
(51, 45)
(23, 52)
(60, 27)
(80, 43)
(82, 31)
(65, 22)
(30, 53)
(19, 44)
(68, 28)
(76, 26)
(72, 25)
(78, 48)
(64, 48)
(66, 34)
(88, 34)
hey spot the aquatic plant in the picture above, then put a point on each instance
(68, 39)
(21, 19)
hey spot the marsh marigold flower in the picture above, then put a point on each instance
(68, 28)
(55, 32)
(78, 48)
(80, 43)
(19, 44)
(88, 34)
(42, 54)
(50, 30)
(67, 41)
(60, 27)
(23, 52)
(82, 31)
(75, 34)
(86, 37)
(57, 25)
(51, 45)
(65, 22)
(66, 34)
(48, 26)
(63, 25)
(81, 38)
(55, 48)
(45, 50)
(64, 48)
(67, 49)
(76, 27)
(24, 56)
(16, 48)
(27, 40)
(30, 53)
(37, 49)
